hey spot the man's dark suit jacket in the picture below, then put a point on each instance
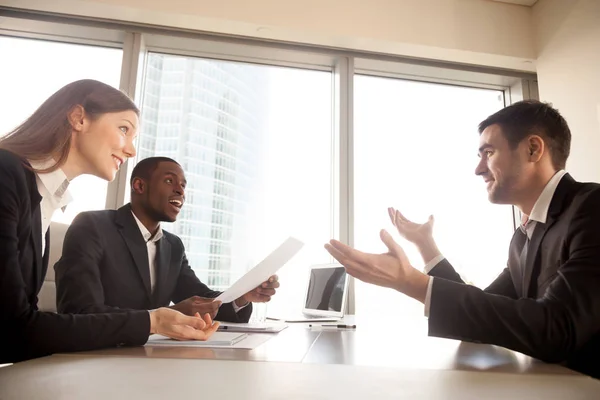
(104, 268)
(26, 332)
(551, 309)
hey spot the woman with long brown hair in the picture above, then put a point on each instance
(87, 127)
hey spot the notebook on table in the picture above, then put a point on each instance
(217, 339)
(251, 328)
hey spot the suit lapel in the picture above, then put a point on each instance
(36, 228)
(516, 271)
(556, 207)
(36, 238)
(533, 253)
(163, 261)
(135, 243)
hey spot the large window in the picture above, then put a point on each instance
(31, 71)
(264, 133)
(416, 150)
(255, 143)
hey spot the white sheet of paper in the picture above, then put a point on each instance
(263, 270)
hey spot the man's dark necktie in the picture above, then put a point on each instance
(523, 257)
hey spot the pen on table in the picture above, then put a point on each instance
(339, 326)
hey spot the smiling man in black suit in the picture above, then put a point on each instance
(546, 302)
(114, 261)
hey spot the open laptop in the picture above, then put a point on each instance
(325, 295)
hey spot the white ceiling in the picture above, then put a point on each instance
(520, 2)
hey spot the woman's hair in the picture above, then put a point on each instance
(47, 132)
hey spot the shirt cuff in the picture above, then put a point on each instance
(433, 263)
(237, 308)
(428, 296)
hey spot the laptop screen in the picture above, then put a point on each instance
(326, 289)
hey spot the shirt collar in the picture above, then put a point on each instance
(55, 182)
(146, 233)
(539, 212)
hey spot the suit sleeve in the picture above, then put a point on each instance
(550, 328)
(28, 333)
(502, 285)
(79, 288)
(189, 285)
(445, 270)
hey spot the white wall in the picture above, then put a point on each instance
(567, 35)
(479, 32)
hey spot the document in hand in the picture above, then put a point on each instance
(217, 339)
(262, 271)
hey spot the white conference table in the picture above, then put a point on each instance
(302, 363)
